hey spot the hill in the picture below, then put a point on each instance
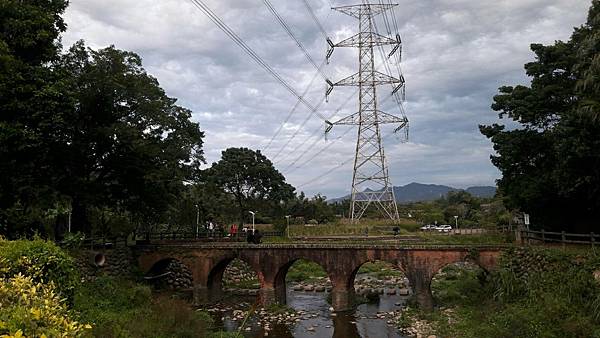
(417, 192)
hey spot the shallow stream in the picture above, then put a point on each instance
(373, 320)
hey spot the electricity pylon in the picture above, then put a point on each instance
(370, 180)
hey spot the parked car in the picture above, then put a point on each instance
(444, 228)
(428, 227)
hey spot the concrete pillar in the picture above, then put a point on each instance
(342, 298)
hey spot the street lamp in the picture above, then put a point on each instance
(456, 221)
(69, 223)
(197, 218)
(253, 213)
(288, 225)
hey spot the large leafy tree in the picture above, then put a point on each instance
(250, 179)
(29, 33)
(87, 129)
(550, 162)
(125, 143)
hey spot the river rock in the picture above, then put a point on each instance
(309, 288)
(320, 288)
(390, 291)
(403, 292)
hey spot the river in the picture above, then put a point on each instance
(372, 320)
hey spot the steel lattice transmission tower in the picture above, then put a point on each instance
(370, 180)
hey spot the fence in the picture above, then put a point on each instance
(559, 237)
(203, 236)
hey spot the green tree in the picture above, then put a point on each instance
(124, 142)
(90, 129)
(550, 162)
(28, 45)
(250, 178)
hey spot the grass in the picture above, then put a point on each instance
(380, 270)
(123, 308)
(303, 270)
(342, 228)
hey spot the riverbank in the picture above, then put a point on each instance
(535, 292)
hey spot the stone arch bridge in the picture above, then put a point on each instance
(208, 261)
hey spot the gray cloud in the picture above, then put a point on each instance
(456, 54)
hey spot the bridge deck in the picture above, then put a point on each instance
(403, 246)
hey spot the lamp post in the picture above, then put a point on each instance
(197, 218)
(253, 213)
(69, 222)
(456, 222)
(287, 217)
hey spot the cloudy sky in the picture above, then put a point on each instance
(456, 53)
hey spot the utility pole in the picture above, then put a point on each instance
(370, 179)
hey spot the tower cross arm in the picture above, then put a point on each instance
(364, 9)
(381, 118)
(374, 78)
(367, 39)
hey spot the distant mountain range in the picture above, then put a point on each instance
(418, 192)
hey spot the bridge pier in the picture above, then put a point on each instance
(200, 294)
(267, 296)
(342, 299)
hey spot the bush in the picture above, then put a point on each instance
(41, 260)
(532, 293)
(123, 308)
(31, 309)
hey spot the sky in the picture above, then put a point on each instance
(455, 55)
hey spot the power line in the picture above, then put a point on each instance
(334, 168)
(314, 133)
(316, 154)
(315, 19)
(317, 139)
(293, 37)
(233, 36)
(294, 107)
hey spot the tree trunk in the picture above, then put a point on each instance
(79, 217)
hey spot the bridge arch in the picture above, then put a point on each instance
(455, 279)
(279, 281)
(214, 282)
(379, 276)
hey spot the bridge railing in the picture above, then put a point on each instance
(215, 236)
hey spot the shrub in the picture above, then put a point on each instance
(41, 260)
(33, 309)
(123, 308)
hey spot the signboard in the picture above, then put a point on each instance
(526, 219)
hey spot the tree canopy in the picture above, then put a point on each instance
(84, 130)
(550, 162)
(248, 177)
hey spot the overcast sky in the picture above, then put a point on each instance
(456, 53)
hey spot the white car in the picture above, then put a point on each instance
(428, 227)
(444, 228)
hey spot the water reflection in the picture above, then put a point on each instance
(320, 322)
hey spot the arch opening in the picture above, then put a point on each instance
(452, 283)
(170, 273)
(300, 278)
(380, 282)
(233, 276)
